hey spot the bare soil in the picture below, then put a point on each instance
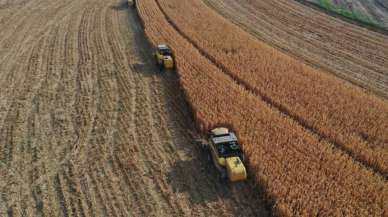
(349, 51)
(90, 127)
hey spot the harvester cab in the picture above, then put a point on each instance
(225, 153)
(164, 57)
(132, 3)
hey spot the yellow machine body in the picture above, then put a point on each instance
(168, 62)
(226, 155)
(235, 169)
(221, 161)
(164, 57)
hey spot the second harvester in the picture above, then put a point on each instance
(164, 57)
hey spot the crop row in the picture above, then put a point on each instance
(302, 174)
(337, 111)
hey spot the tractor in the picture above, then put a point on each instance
(225, 153)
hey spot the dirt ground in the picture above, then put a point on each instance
(346, 50)
(90, 127)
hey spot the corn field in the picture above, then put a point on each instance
(334, 110)
(316, 144)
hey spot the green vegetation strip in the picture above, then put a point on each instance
(342, 10)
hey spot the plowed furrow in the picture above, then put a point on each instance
(61, 199)
(134, 192)
(73, 178)
(101, 205)
(87, 197)
(109, 193)
(16, 122)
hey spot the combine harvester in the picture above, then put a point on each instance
(224, 151)
(164, 57)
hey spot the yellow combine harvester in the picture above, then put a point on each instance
(164, 57)
(223, 150)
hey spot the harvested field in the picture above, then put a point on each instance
(302, 172)
(89, 127)
(348, 51)
(374, 12)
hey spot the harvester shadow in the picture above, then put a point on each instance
(145, 63)
(186, 176)
(198, 180)
(194, 177)
(123, 5)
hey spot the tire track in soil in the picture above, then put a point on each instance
(14, 121)
(17, 46)
(98, 130)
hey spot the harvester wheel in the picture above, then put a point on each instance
(209, 157)
(201, 145)
(223, 177)
(204, 146)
